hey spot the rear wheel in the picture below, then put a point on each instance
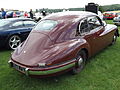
(80, 63)
(13, 42)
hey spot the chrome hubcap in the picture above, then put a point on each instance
(114, 37)
(80, 61)
(14, 42)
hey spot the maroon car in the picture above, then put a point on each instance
(62, 42)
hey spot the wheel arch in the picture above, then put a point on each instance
(12, 35)
(86, 51)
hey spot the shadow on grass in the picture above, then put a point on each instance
(17, 80)
(4, 49)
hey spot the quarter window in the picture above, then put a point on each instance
(82, 27)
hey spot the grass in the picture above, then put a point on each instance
(101, 73)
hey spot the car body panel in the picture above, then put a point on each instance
(56, 47)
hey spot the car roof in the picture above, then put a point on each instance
(16, 19)
(69, 15)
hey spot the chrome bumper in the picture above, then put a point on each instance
(28, 71)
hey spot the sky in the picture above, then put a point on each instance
(52, 4)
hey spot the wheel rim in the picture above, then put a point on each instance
(80, 64)
(80, 61)
(114, 39)
(14, 42)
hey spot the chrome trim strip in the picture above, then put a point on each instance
(55, 69)
(52, 71)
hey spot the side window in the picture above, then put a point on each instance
(29, 23)
(83, 27)
(93, 22)
(17, 24)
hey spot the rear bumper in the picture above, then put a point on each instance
(42, 71)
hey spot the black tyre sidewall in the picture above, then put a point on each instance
(77, 68)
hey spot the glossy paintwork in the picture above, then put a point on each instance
(8, 30)
(61, 44)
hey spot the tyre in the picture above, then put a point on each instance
(13, 42)
(80, 63)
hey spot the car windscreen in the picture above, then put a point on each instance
(3, 23)
(46, 25)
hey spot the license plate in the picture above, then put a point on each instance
(18, 68)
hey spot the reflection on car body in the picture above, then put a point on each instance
(62, 42)
(13, 31)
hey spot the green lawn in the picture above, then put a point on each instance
(101, 73)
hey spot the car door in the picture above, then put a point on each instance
(17, 26)
(29, 24)
(90, 28)
(96, 29)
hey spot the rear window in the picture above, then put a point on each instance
(46, 25)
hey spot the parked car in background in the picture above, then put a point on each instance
(63, 42)
(13, 31)
(10, 14)
(111, 14)
(0, 15)
(116, 20)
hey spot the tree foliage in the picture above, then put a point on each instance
(104, 8)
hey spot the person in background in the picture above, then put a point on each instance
(3, 13)
(31, 14)
(26, 15)
(43, 13)
(14, 14)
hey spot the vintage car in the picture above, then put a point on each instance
(62, 42)
(10, 14)
(13, 31)
(110, 15)
(116, 20)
